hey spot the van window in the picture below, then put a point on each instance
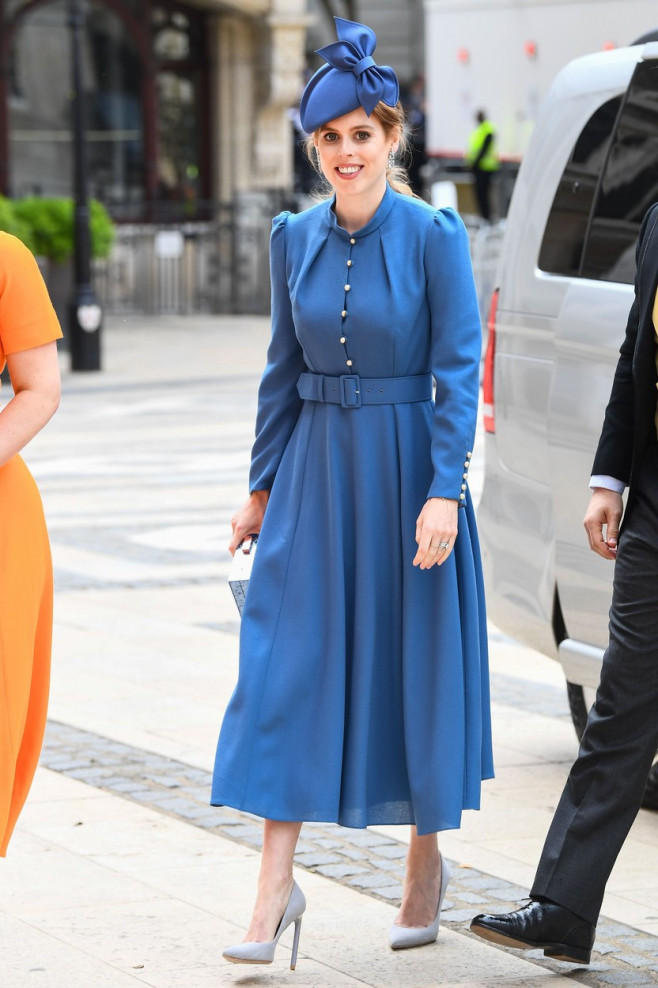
(564, 236)
(629, 184)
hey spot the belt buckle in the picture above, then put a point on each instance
(350, 390)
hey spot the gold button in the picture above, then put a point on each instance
(352, 240)
(349, 264)
(469, 455)
(463, 487)
(462, 497)
(349, 363)
(465, 476)
(467, 464)
(343, 339)
(344, 313)
(347, 288)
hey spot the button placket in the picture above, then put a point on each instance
(345, 312)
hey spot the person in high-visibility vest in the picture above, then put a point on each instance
(482, 159)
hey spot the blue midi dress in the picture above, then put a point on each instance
(362, 695)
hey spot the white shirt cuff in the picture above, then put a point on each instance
(610, 483)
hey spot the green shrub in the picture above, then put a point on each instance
(11, 223)
(50, 223)
(101, 228)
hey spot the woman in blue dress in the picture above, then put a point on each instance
(362, 696)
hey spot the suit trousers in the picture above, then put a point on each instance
(604, 790)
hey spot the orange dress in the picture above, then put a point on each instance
(27, 320)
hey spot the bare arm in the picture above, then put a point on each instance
(35, 379)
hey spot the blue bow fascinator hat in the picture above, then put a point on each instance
(350, 79)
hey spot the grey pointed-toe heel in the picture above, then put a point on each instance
(402, 937)
(253, 952)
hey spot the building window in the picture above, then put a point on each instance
(40, 126)
(15, 74)
(171, 33)
(179, 49)
(13, 6)
(115, 62)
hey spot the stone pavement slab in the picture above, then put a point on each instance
(140, 472)
(371, 862)
(101, 891)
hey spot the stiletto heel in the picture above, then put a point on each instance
(295, 943)
(253, 952)
(402, 937)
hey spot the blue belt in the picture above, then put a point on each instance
(352, 391)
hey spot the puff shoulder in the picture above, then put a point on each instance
(279, 221)
(448, 237)
(449, 222)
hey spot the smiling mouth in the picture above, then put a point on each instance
(348, 169)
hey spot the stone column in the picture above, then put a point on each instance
(234, 104)
(259, 65)
(284, 54)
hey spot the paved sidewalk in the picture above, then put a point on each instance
(120, 872)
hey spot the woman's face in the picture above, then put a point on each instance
(354, 152)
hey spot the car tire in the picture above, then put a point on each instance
(579, 710)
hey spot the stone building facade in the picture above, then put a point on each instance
(189, 129)
(187, 102)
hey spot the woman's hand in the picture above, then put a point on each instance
(436, 531)
(248, 520)
(605, 510)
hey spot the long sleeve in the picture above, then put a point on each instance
(279, 403)
(456, 351)
(615, 449)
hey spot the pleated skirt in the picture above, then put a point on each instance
(363, 693)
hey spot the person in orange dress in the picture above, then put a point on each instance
(28, 330)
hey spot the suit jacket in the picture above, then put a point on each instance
(629, 423)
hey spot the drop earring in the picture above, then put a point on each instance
(391, 159)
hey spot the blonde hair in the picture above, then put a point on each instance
(392, 119)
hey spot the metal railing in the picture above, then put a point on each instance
(218, 265)
(221, 265)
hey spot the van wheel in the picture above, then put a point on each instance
(579, 709)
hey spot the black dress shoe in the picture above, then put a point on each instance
(545, 925)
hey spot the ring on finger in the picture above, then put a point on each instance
(444, 545)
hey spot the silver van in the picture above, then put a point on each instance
(558, 316)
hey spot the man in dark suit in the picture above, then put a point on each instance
(604, 790)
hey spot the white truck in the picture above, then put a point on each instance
(502, 55)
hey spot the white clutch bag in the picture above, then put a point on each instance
(240, 570)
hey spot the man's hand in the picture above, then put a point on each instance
(604, 512)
